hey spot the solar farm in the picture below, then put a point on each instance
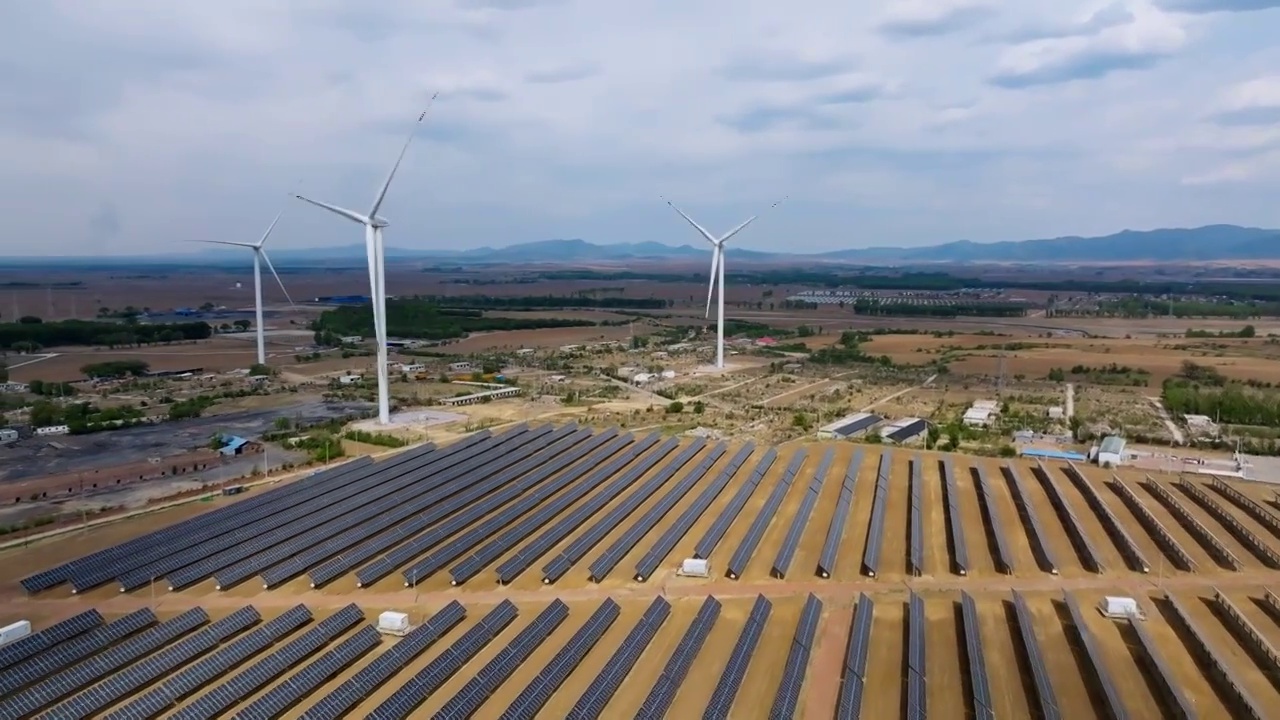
(542, 570)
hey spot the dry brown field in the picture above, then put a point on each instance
(1085, 572)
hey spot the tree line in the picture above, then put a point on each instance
(423, 319)
(32, 336)
(546, 301)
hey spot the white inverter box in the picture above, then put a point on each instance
(394, 622)
(14, 631)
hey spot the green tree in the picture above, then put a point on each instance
(699, 407)
(242, 324)
(675, 407)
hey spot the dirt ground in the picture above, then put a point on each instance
(947, 683)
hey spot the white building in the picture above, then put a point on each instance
(462, 366)
(348, 379)
(14, 387)
(351, 339)
(1111, 451)
(53, 430)
(8, 435)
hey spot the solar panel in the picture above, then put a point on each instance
(725, 519)
(23, 648)
(990, 511)
(1221, 674)
(581, 545)
(726, 690)
(66, 682)
(1255, 544)
(408, 697)
(844, 506)
(601, 690)
(609, 559)
(658, 702)
(875, 528)
(1202, 534)
(1119, 535)
(1177, 704)
(1070, 523)
(1255, 509)
(1039, 672)
(1035, 532)
(1115, 706)
(755, 533)
(955, 522)
(513, 566)
(1161, 535)
(258, 675)
(916, 552)
(524, 495)
(983, 707)
(74, 650)
(489, 678)
(793, 671)
(200, 674)
(855, 660)
(536, 694)
(285, 696)
(91, 702)
(801, 520)
(916, 629)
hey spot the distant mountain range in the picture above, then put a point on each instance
(1208, 243)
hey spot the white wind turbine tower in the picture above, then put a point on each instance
(373, 225)
(717, 271)
(259, 257)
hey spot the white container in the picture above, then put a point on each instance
(1120, 607)
(393, 621)
(14, 631)
(695, 567)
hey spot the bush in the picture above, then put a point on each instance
(675, 407)
(374, 438)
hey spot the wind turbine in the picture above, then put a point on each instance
(259, 257)
(717, 269)
(373, 225)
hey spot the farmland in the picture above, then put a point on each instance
(944, 548)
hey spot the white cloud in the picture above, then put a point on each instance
(567, 118)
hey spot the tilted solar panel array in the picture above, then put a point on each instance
(1202, 534)
(788, 695)
(1035, 656)
(1159, 533)
(955, 521)
(284, 696)
(725, 519)
(1119, 535)
(346, 696)
(200, 561)
(478, 521)
(536, 694)
(144, 568)
(1251, 540)
(197, 526)
(1255, 509)
(755, 533)
(408, 697)
(990, 510)
(844, 507)
(726, 690)
(1176, 702)
(73, 679)
(979, 679)
(337, 537)
(1035, 531)
(601, 690)
(63, 655)
(93, 700)
(854, 675)
(915, 555)
(1070, 523)
(588, 539)
(253, 678)
(404, 522)
(508, 539)
(1241, 701)
(489, 678)
(442, 496)
(782, 562)
(23, 648)
(676, 531)
(1115, 706)
(1244, 628)
(916, 707)
(200, 674)
(879, 506)
(618, 549)
(659, 699)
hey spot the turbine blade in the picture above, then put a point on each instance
(225, 242)
(710, 238)
(270, 227)
(749, 220)
(276, 275)
(711, 285)
(335, 209)
(382, 194)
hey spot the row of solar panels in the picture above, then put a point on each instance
(1079, 539)
(1159, 533)
(1041, 547)
(876, 526)
(915, 554)
(955, 521)
(1129, 549)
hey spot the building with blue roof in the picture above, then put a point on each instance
(236, 445)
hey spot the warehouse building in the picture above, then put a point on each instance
(904, 430)
(850, 426)
(981, 413)
(1111, 451)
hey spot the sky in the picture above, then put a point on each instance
(906, 123)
